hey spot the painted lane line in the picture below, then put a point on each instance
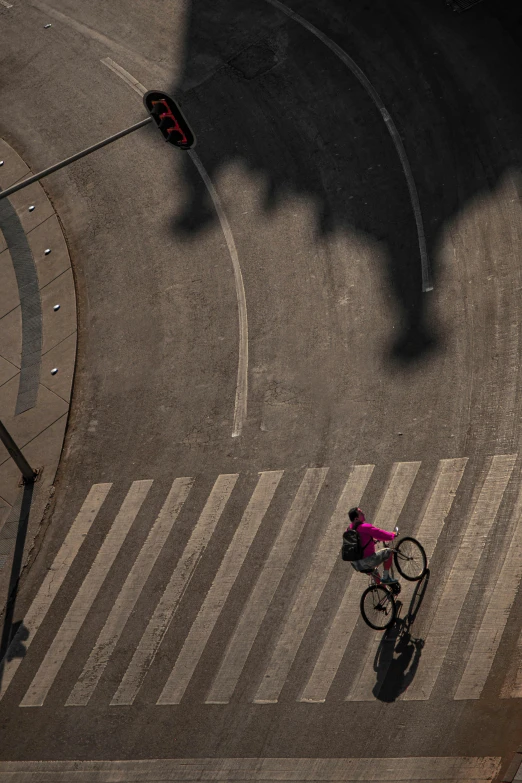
(495, 617)
(223, 583)
(100, 38)
(434, 769)
(440, 500)
(52, 583)
(129, 594)
(178, 583)
(312, 587)
(84, 599)
(125, 75)
(240, 406)
(6, 4)
(427, 283)
(241, 398)
(460, 578)
(340, 632)
(260, 598)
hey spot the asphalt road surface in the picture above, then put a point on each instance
(188, 599)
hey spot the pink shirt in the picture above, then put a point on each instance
(367, 534)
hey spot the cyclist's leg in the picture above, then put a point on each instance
(384, 556)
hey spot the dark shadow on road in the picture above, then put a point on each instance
(15, 632)
(265, 93)
(397, 657)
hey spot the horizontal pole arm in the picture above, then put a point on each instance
(63, 163)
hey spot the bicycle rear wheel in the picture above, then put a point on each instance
(410, 559)
(378, 607)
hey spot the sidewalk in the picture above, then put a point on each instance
(35, 339)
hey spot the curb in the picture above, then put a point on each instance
(38, 335)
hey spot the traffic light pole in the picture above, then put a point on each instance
(29, 475)
(63, 163)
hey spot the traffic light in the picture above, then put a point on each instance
(168, 117)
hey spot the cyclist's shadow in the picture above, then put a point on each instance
(398, 655)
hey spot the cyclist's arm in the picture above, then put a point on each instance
(381, 535)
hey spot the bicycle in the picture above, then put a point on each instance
(378, 604)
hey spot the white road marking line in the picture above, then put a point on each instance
(461, 575)
(179, 581)
(129, 593)
(6, 4)
(495, 618)
(85, 596)
(125, 75)
(240, 407)
(208, 615)
(311, 587)
(434, 769)
(448, 476)
(52, 582)
(241, 399)
(260, 598)
(94, 35)
(427, 283)
(401, 480)
(316, 690)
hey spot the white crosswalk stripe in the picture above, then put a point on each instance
(52, 582)
(440, 500)
(226, 576)
(84, 598)
(495, 618)
(440, 619)
(447, 614)
(311, 590)
(264, 590)
(130, 593)
(168, 604)
(316, 690)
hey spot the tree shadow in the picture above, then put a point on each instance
(262, 91)
(14, 634)
(398, 655)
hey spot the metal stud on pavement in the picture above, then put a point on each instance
(46, 252)
(31, 208)
(56, 307)
(54, 370)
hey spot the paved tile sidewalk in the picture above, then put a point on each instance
(35, 338)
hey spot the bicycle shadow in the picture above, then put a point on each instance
(398, 655)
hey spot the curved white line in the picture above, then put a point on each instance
(427, 284)
(240, 407)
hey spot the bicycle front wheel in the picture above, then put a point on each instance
(378, 607)
(410, 559)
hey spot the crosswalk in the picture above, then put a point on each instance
(467, 514)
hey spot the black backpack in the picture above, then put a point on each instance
(352, 548)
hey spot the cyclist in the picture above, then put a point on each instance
(368, 534)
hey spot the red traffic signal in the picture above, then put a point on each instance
(168, 117)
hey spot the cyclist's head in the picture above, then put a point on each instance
(356, 515)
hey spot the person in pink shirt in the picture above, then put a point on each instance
(368, 534)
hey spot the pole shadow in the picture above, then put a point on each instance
(398, 655)
(16, 632)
